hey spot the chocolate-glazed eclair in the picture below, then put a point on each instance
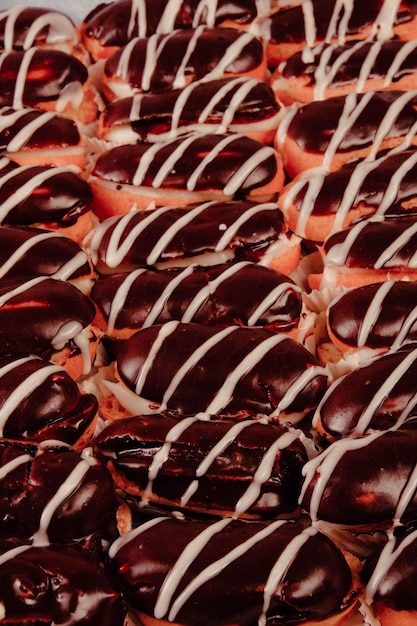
(51, 494)
(389, 577)
(50, 80)
(40, 401)
(320, 203)
(110, 26)
(49, 318)
(189, 368)
(32, 136)
(23, 27)
(243, 105)
(206, 234)
(162, 62)
(27, 252)
(292, 29)
(370, 251)
(213, 466)
(232, 572)
(330, 133)
(367, 482)
(385, 396)
(336, 70)
(244, 293)
(56, 198)
(380, 317)
(194, 168)
(57, 585)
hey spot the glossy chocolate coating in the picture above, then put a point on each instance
(52, 27)
(263, 385)
(370, 187)
(313, 126)
(38, 252)
(49, 72)
(50, 585)
(34, 129)
(52, 407)
(362, 481)
(130, 447)
(111, 23)
(390, 574)
(393, 321)
(288, 25)
(351, 69)
(314, 586)
(383, 398)
(369, 247)
(57, 197)
(121, 164)
(163, 112)
(202, 52)
(33, 315)
(115, 246)
(235, 299)
(77, 487)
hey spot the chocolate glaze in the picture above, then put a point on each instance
(384, 396)
(350, 71)
(288, 25)
(49, 72)
(167, 111)
(131, 447)
(50, 585)
(252, 228)
(314, 586)
(34, 129)
(236, 298)
(129, 165)
(34, 314)
(52, 27)
(48, 403)
(41, 194)
(390, 309)
(383, 572)
(27, 252)
(263, 385)
(386, 186)
(314, 124)
(203, 51)
(111, 23)
(52, 494)
(373, 238)
(363, 481)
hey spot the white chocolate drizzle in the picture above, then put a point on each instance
(60, 28)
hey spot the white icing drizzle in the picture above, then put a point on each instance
(341, 12)
(263, 473)
(192, 361)
(395, 182)
(28, 188)
(180, 79)
(60, 28)
(239, 177)
(407, 324)
(297, 386)
(13, 464)
(168, 17)
(119, 298)
(338, 253)
(11, 16)
(123, 540)
(206, 9)
(21, 289)
(24, 389)
(225, 394)
(73, 330)
(395, 247)
(24, 248)
(310, 30)
(211, 570)
(165, 330)
(373, 312)
(270, 300)
(184, 561)
(206, 291)
(66, 489)
(208, 158)
(383, 25)
(138, 13)
(10, 554)
(406, 496)
(282, 565)
(161, 456)
(325, 463)
(406, 49)
(21, 138)
(384, 390)
(69, 268)
(231, 231)
(166, 293)
(21, 77)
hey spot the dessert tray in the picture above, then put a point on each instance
(208, 319)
